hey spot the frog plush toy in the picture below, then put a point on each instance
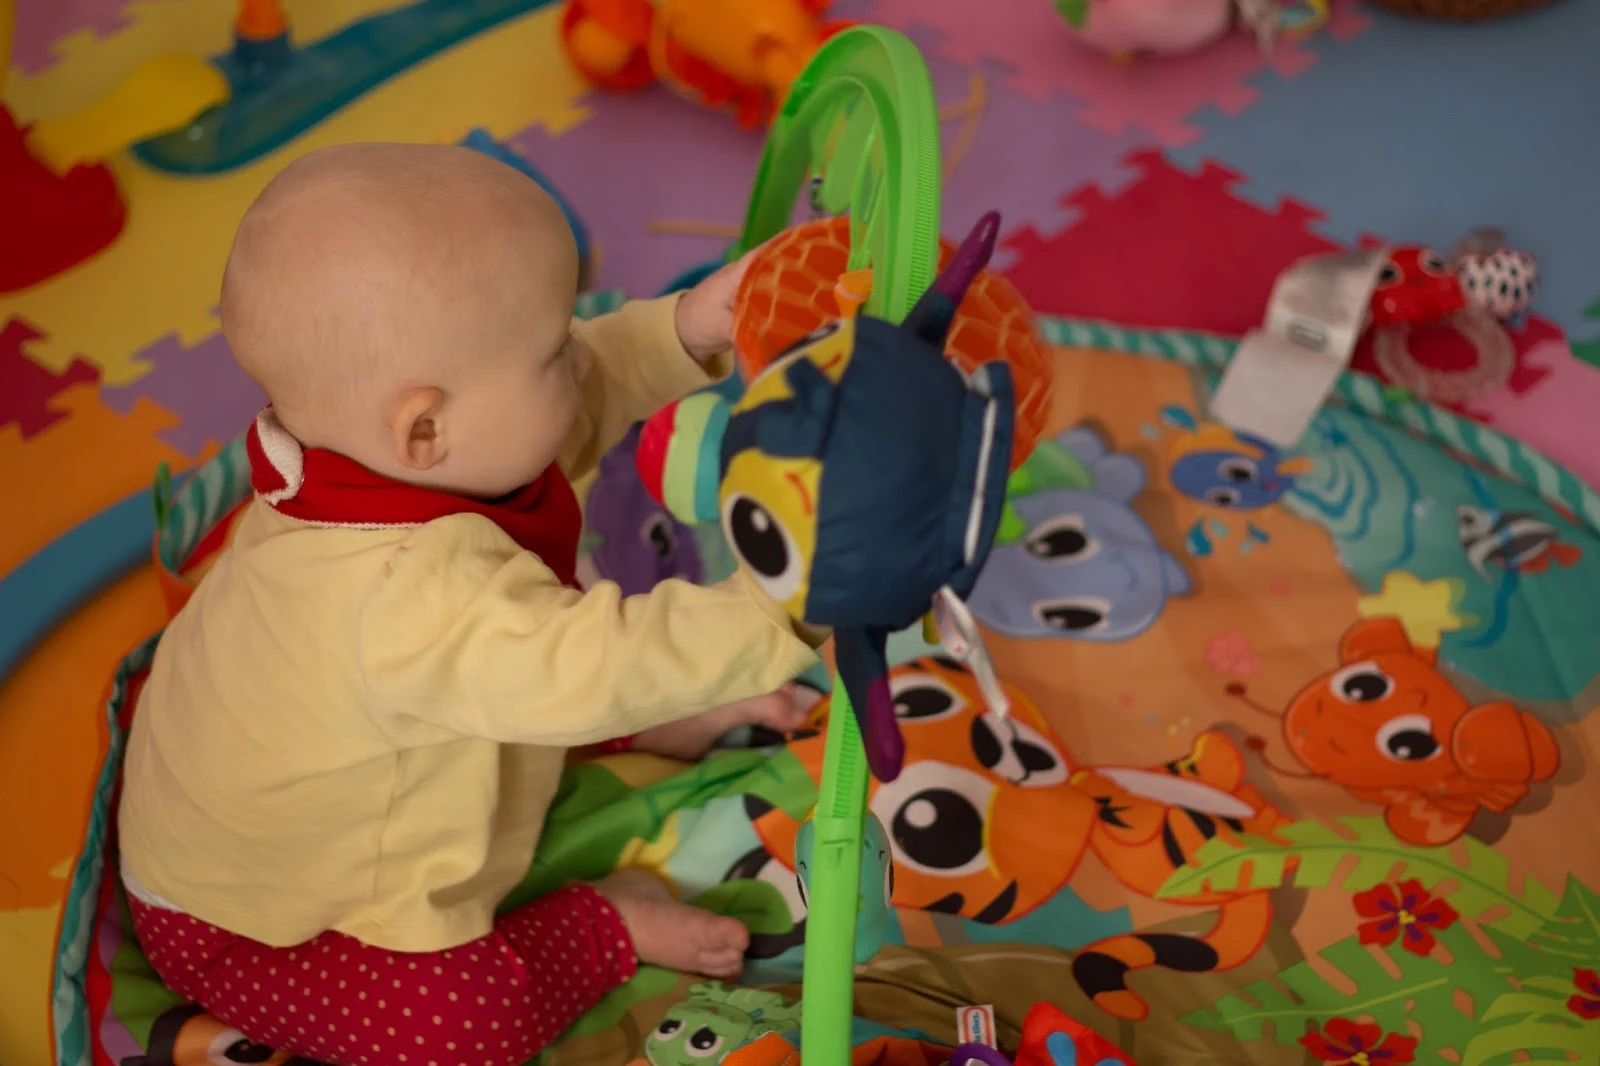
(713, 1021)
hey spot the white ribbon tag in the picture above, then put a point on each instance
(959, 635)
(1282, 373)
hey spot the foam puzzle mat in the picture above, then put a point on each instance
(1164, 194)
(1281, 778)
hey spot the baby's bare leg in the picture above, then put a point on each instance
(784, 711)
(672, 934)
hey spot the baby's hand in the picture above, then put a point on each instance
(705, 312)
(782, 711)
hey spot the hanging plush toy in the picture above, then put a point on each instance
(859, 479)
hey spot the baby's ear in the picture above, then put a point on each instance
(419, 442)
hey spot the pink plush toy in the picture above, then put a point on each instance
(1122, 28)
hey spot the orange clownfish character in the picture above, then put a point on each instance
(957, 812)
(1393, 730)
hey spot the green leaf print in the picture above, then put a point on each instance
(1310, 854)
(1424, 990)
(757, 904)
(1539, 999)
(1533, 1025)
(595, 813)
(138, 997)
(784, 783)
(1490, 1005)
(1076, 12)
(1574, 933)
(721, 773)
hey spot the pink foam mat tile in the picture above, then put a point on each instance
(42, 23)
(1155, 96)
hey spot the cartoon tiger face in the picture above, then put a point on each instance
(981, 824)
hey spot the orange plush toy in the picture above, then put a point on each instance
(737, 55)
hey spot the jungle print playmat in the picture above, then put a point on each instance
(1294, 775)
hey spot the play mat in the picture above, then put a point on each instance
(1294, 772)
(1171, 859)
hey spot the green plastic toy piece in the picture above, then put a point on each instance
(863, 118)
(874, 890)
(862, 114)
(1076, 12)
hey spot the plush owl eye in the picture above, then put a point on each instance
(668, 1028)
(767, 550)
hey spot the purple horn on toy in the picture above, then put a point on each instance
(930, 318)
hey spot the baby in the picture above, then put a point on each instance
(342, 758)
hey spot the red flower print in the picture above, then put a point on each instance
(1346, 1043)
(1586, 1004)
(1406, 912)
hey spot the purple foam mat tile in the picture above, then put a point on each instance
(1020, 156)
(1042, 60)
(42, 23)
(641, 159)
(1017, 155)
(203, 386)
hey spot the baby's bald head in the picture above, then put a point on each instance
(365, 272)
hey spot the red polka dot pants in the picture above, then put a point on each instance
(496, 1001)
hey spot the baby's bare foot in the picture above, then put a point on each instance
(782, 711)
(672, 934)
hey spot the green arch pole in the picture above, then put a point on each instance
(862, 122)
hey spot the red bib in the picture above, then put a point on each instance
(328, 489)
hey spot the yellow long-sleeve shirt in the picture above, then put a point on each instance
(361, 730)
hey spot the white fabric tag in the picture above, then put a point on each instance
(959, 634)
(975, 1025)
(1282, 373)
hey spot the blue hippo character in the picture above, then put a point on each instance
(1072, 558)
(1215, 465)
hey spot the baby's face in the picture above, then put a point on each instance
(510, 416)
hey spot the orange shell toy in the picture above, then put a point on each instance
(800, 280)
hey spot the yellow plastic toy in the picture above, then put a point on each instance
(59, 203)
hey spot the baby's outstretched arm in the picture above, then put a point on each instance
(646, 355)
(467, 634)
(637, 365)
